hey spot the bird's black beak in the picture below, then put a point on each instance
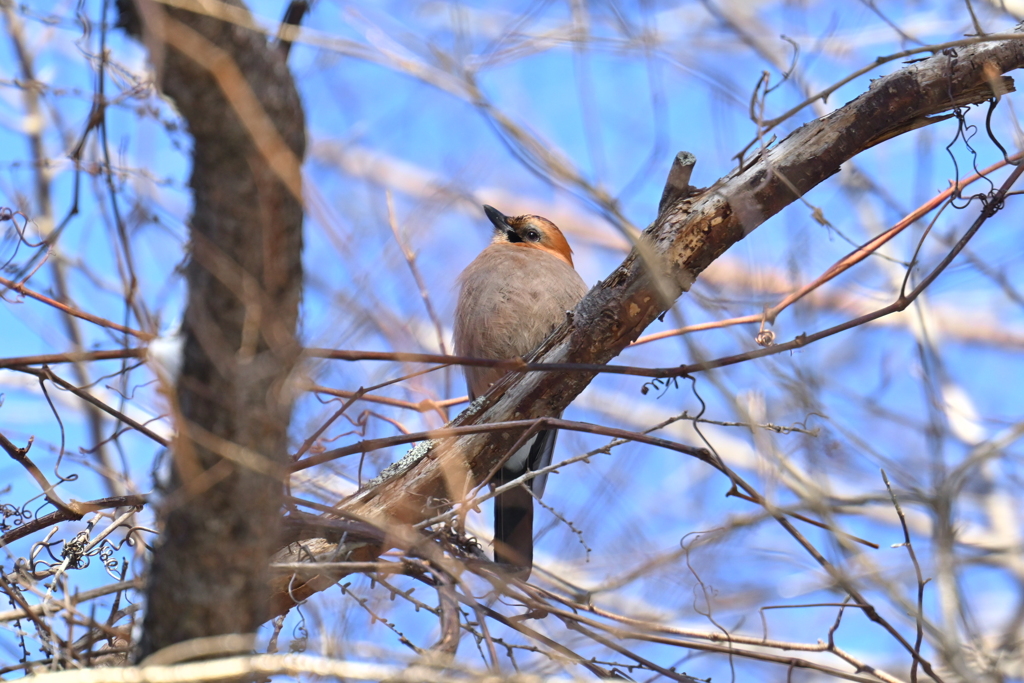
(500, 222)
(496, 217)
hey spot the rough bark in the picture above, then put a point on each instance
(221, 512)
(688, 235)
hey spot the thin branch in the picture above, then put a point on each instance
(73, 357)
(917, 570)
(20, 288)
(72, 513)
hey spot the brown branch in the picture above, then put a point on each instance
(677, 187)
(518, 625)
(993, 204)
(20, 288)
(448, 606)
(20, 456)
(72, 357)
(424, 406)
(812, 522)
(46, 373)
(72, 513)
(730, 648)
(414, 270)
(843, 264)
(935, 49)
(74, 599)
(918, 618)
(515, 426)
(14, 593)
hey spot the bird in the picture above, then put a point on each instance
(511, 297)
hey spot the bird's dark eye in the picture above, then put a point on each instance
(532, 235)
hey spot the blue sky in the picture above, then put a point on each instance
(617, 111)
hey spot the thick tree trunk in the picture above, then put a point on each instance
(221, 514)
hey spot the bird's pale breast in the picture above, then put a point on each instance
(510, 299)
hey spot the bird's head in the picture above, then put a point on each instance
(533, 232)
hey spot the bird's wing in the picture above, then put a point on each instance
(541, 452)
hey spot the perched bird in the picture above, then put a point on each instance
(511, 297)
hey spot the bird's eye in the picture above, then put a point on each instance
(532, 235)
